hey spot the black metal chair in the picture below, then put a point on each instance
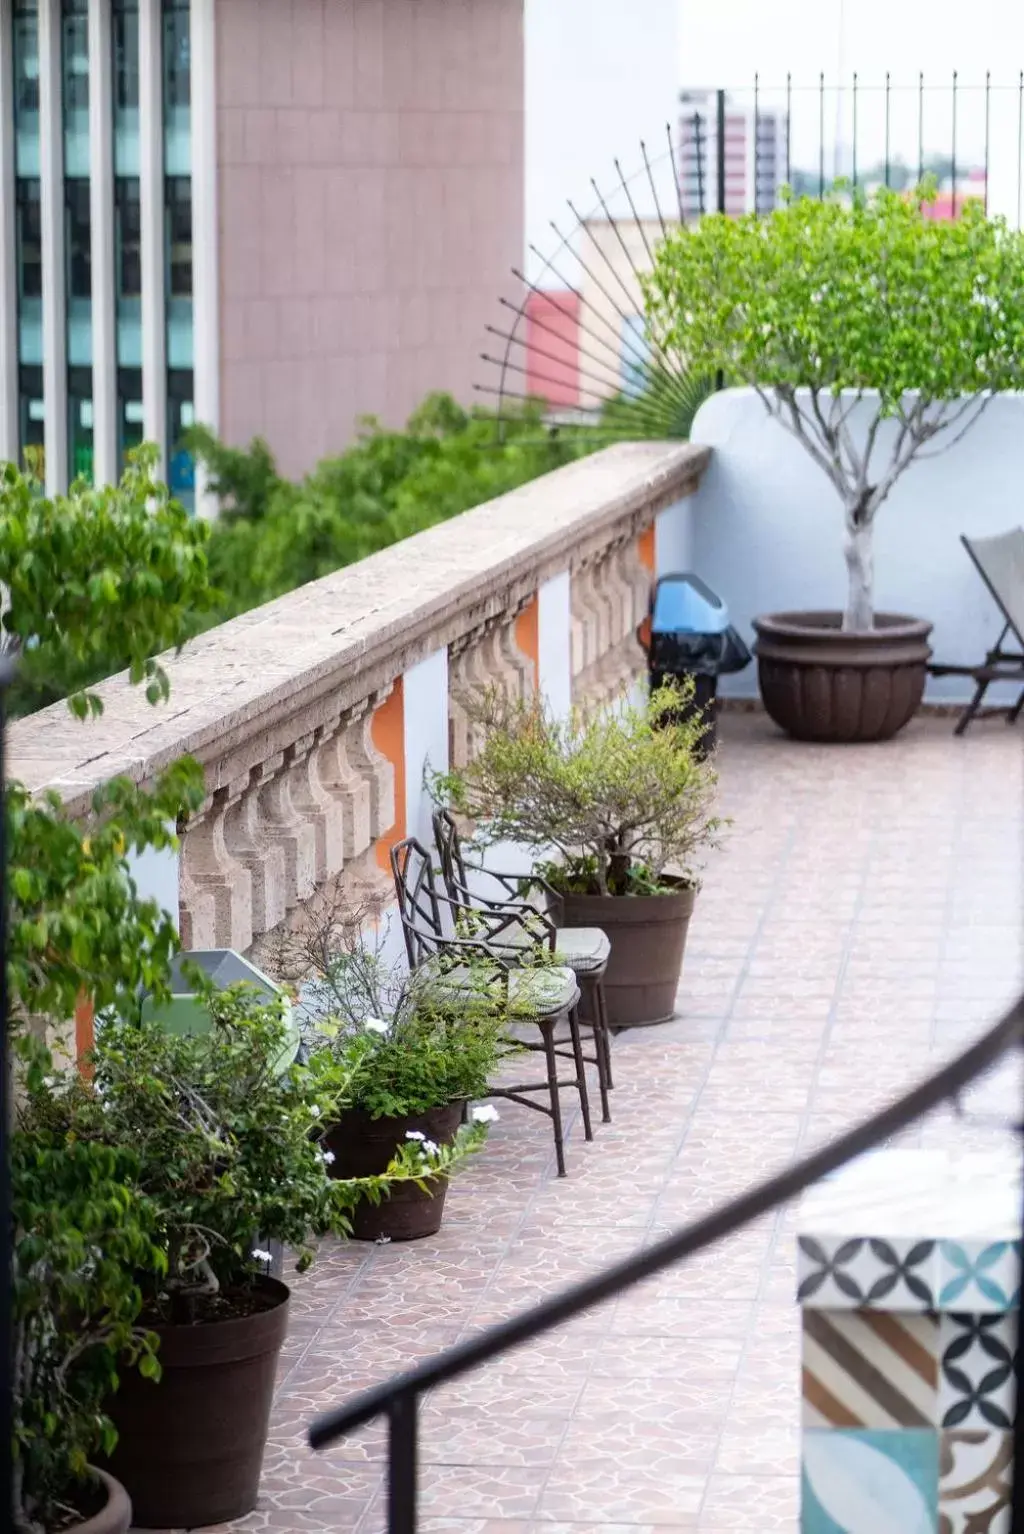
(1000, 563)
(437, 935)
(584, 950)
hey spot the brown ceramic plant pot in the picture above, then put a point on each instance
(820, 684)
(115, 1514)
(648, 939)
(190, 1448)
(365, 1147)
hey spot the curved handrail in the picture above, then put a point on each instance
(396, 1397)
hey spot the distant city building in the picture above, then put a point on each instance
(755, 155)
(267, 217)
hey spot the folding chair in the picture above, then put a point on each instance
(545, 997)
(584, 950)
(1000, 563)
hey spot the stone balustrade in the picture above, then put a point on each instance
(315, 716)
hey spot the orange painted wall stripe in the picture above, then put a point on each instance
(645, 548)
(527, 633)
(387, 730)
(85, 1032)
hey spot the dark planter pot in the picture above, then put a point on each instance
(190, 1448)
(820, 684)
(114, 1517)
(648, 938)
(365, 1147)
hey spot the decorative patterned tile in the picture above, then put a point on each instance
(870, 1483)
(869, 1369)
(975, 1482)
(979, 1276)
(835, 1273)
(976, 1385)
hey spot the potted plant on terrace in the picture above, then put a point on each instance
(876, 335)
(80, 1232)
(619, 806)
(411, 1058)
(228, 1156)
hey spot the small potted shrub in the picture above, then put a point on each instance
(619, 806)
(228, 1158)
(876, 335)
(412, 1057)
(81, 1229)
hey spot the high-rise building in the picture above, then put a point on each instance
(755, 155)
(270, 216)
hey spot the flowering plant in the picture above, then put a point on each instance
(226, 1145)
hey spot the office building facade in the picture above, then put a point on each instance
(754, 155)
(264, 216)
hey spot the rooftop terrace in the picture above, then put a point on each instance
(864, 921)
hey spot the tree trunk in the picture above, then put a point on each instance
(860, 567)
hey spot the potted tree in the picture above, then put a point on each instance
(619, 806)
(877, 336)
(411, 1057)
(80, 1231)
(228, 1156)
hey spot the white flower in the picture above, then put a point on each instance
(415, 1134)
(315, 1110)
(486, 1115)
(375, 1025)
(260, 1256)
(430, 1147)
(328, 1157)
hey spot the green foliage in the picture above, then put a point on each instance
(620, 794)
(95, 582)
(388, 485)
(406, 1043)
(81, 1232)
(866, 304)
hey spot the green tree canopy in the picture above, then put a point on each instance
(841, 306)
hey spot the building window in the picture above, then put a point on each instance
(129, 412)
(128, 271)
(26, 87)
(177, 89)
(124, 24)
(80, 450)
(181, 470)
(75, 71)
(31, 412)
(178, 246)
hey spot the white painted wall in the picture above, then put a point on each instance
(673, 539)
(601, 75)
(767, 529)
(554, 643)
(156, 878)
(426, 738)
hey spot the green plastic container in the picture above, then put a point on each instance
(186, 1013)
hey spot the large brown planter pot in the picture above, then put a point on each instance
(820, 684)
(365, 1147)
(114, 1517)
(190, 1448)
(648, 938)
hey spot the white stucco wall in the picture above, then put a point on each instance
(554, 643)
(767, 529)
(673, 539)
(426, 737)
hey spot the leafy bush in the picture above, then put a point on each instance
(95, 582)
(621, 795)
(847, 299)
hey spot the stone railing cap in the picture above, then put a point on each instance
(334, 641)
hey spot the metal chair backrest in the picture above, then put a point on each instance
(419, 906)
(1000, 563)
(449, 850)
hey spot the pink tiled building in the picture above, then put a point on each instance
(270, 216)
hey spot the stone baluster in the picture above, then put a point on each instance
(215, 889)
(488, 658)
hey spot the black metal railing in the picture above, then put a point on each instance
(398, 1399)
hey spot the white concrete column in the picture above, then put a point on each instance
(151, 195)
(205, 259)
(101, 211)
(51, 164)
(8, 246)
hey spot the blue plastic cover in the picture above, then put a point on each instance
(684, 605)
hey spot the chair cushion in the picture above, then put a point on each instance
(533, 993)
(583, 949)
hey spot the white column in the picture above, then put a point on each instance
(101, 212)
(51, 164)
(205, 260)
(151, 195)
(8, 247)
